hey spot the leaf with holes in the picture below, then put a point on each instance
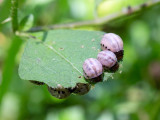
(56, 57)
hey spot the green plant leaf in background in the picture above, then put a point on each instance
(26, 23)
(56, 57)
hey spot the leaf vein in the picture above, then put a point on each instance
(63, 57)
(57, 53)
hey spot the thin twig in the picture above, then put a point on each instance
(97, 21)
(14, 16)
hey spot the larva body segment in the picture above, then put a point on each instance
(92, 70)
(59, 92)
(108, 60)
(114, 43)
(81, 88)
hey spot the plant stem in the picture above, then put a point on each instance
(97, 21)
(9, 65)
(14, 15)
(155, 110)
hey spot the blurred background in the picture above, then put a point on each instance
(131, 94)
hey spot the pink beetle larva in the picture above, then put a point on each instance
(81, 88)
(114, 43)
(108, 60)
(59, 92)
(93, 70)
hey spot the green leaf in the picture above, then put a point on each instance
(26, 23)
(56, 57)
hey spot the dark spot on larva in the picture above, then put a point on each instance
(96, 79)
(109, 49)
(58, 92)
(114, 68)
(80, 77)
(106, 47)
(87, 76)
(119, 55)
(105, 68)
(103, 45)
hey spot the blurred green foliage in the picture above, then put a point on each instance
(132, 94)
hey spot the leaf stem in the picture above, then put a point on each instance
(97, 21)
(10, 62)
(14, 15)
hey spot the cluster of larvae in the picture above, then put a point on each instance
(107, 60)
(93, 69)
(61, 92)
